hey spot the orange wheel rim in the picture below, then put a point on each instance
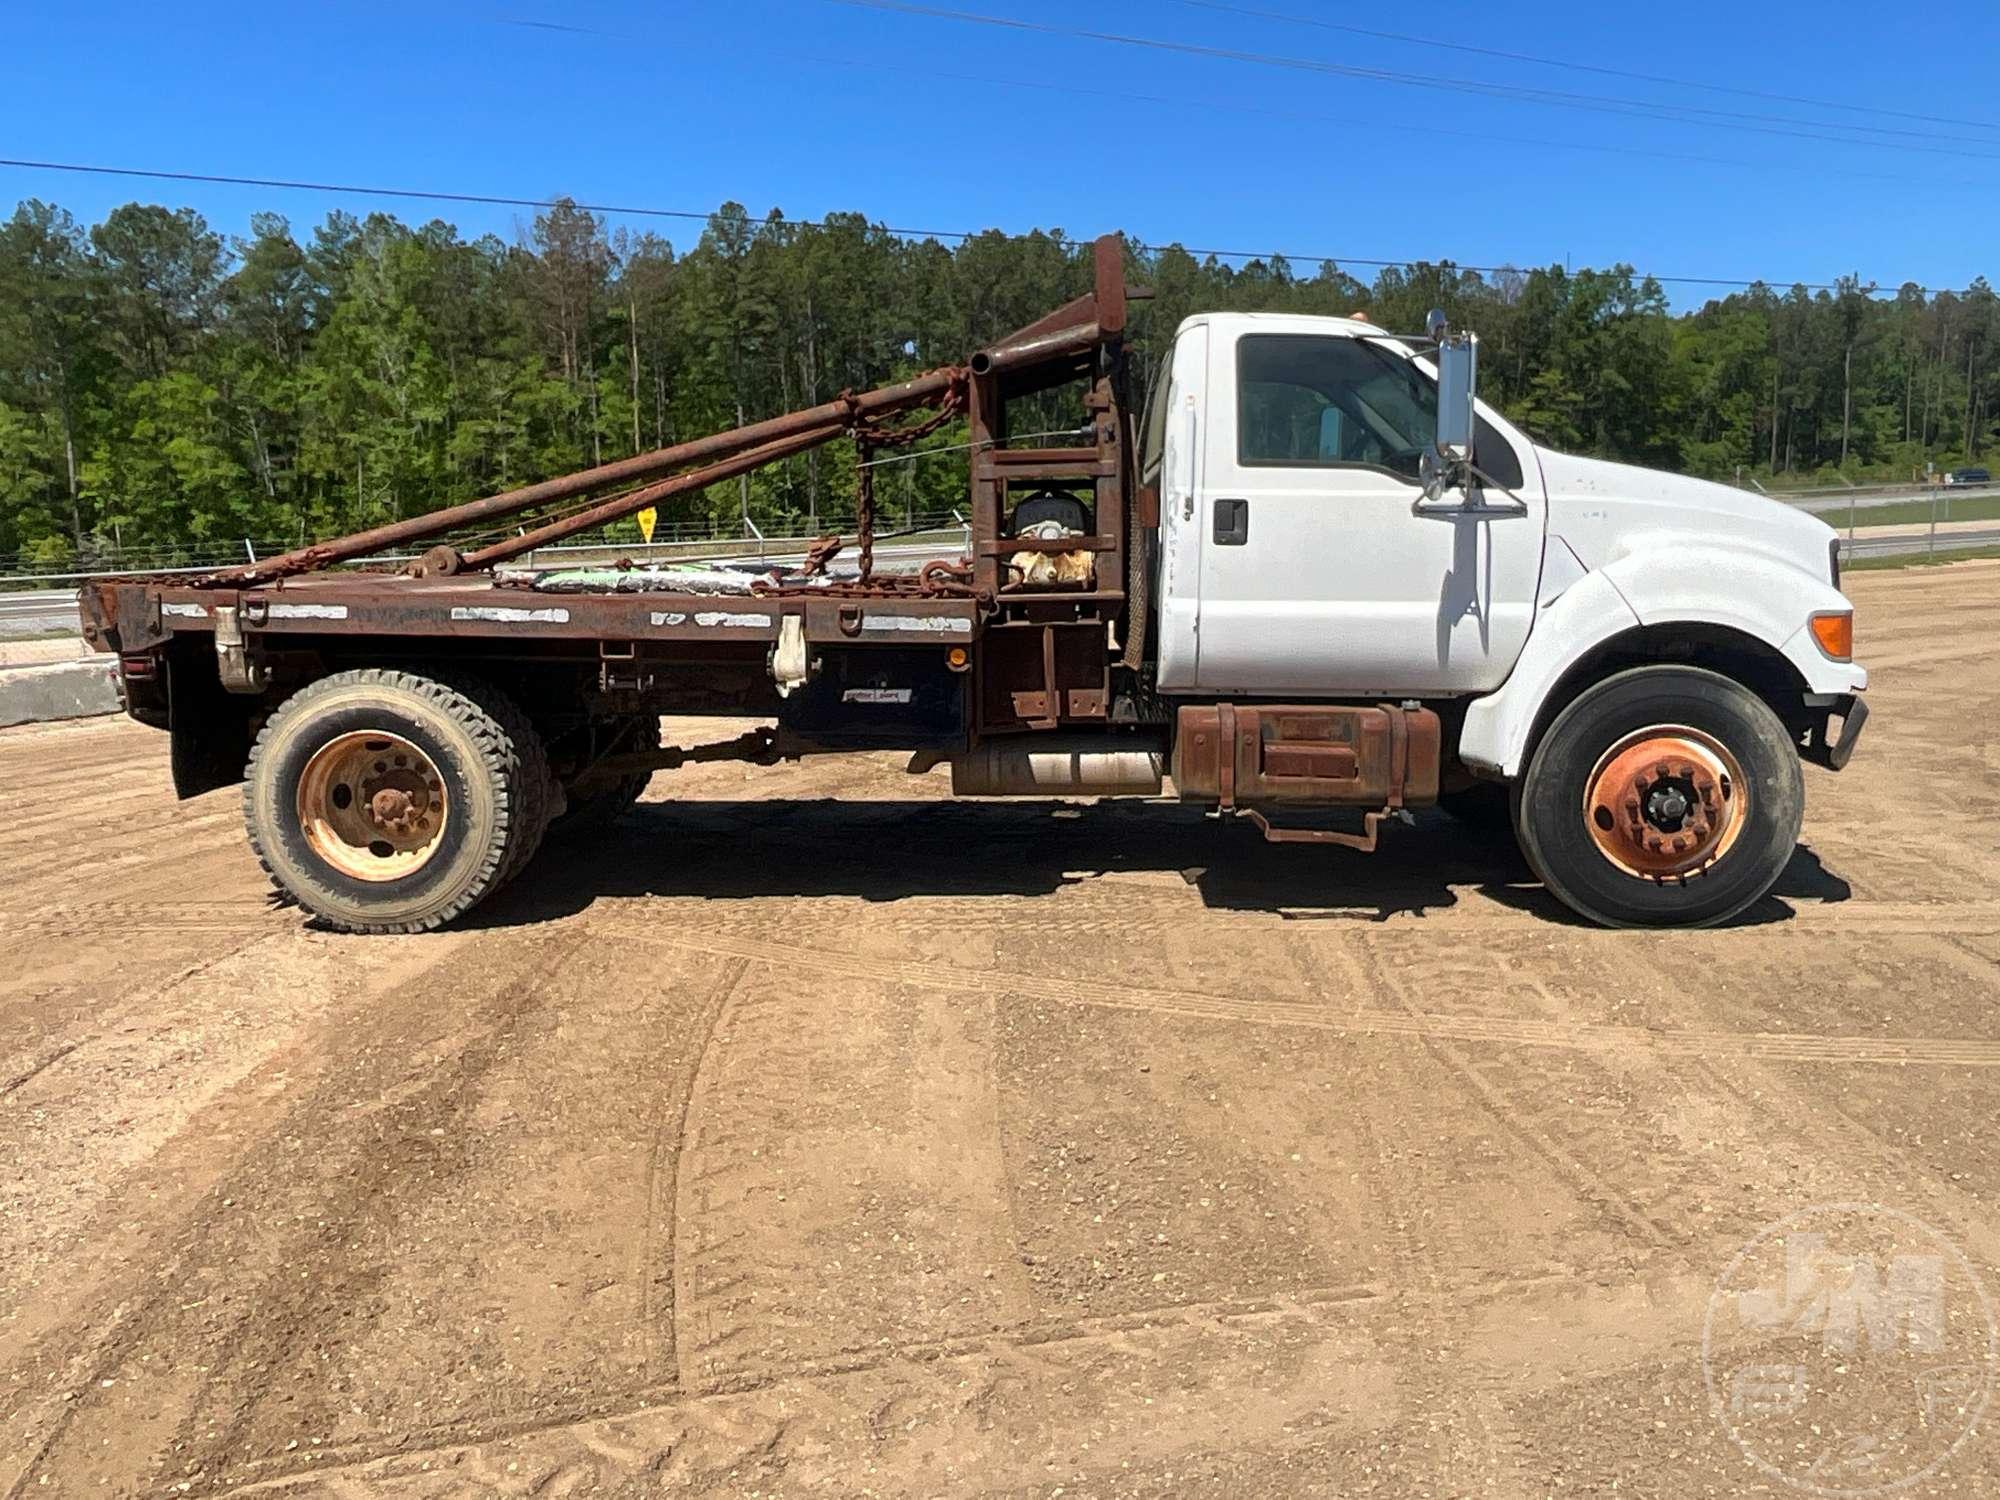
(372, 805)
(1665, 804)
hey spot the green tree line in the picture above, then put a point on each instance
(167, 390)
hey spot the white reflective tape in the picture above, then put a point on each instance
(728, 621)
(500, 615)
(186, 611)
(918, 624)
(669, 618)
(306, 612)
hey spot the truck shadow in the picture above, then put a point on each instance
(892, 851)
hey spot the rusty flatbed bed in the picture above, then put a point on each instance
(476, 607)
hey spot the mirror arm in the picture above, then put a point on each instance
(1436, 483)
(1488, 482)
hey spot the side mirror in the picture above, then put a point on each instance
(1458, 376)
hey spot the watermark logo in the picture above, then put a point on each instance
(1850, 1349)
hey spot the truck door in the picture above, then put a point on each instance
(1323, 570)
(1171, 461)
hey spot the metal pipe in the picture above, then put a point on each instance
(1070, 765)
(621, 506)
(920, 390)
(1030, 351)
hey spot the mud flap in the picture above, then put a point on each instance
(209, 729)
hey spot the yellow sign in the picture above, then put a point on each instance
(648, 519)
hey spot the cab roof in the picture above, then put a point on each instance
(1270, 322)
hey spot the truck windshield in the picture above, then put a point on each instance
(1323, 401)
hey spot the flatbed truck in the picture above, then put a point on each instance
(1309, 569)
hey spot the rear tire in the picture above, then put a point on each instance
(1598, 822)
(536, 797)
(600, 804)
(474, 782)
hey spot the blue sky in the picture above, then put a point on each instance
(927, 122)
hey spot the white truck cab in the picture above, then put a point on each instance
(1642, 657)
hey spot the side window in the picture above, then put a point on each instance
(1326, 401)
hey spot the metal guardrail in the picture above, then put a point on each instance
(1911, 544)
(1864, 489)
(1820, 491)
(142, 561)
(1843, 516)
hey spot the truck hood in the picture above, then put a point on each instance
(1604, 510)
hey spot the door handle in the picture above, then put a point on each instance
(1232, 523)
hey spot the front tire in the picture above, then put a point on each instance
(382, 801)
(1662, 797)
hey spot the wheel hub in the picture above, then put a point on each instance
(1666, 803)
(399, 802)
(1667, 806)
(372, 805)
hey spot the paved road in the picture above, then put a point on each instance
(807, 1133)
(42, 613)
(1832, 505)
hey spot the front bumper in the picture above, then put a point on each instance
(1824, 747)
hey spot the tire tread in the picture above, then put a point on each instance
(1781, 800)
(508, 747)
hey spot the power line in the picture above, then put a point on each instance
(1584, 67)
(627, 211)
(1355, 122)
(419, 194)
(1671, 113)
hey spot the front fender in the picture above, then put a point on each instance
(1761, 596)
(1588, 613)
(1680, 582)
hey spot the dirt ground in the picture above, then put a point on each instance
(812, 1133)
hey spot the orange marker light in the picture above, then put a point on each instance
(1835, 634)
(956, 658)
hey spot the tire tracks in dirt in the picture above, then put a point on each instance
(1090, 907)
(230, 918)
(1841, 1156)
(838, 1176)
(299, 1301)
(1570, 1036)
(130, 1294)
(666, 1194)
(1510, 1102)
(1420, 1187)
(743, 1403)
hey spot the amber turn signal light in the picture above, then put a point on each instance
(1835, 634)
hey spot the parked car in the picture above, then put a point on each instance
(1958, 478)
